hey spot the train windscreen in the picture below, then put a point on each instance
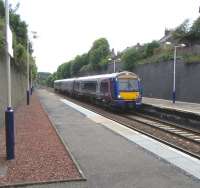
(128, 85)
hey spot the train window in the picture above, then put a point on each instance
(104, 87)
(90, 86)
(76, 86)
(128, 85)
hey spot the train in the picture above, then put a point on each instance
(118, 90)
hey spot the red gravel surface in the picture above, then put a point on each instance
(39, 153)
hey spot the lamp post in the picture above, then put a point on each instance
(114, 60)
(9, 113)
(174, 71)
(28, 86)
(29, 90)
(174, 75)
(113, 56)
(35, 36)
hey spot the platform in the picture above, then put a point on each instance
(111, 155)
(179, 106)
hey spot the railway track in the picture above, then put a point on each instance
(172, 128)
(183, 139)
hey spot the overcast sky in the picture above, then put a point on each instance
(67, 28)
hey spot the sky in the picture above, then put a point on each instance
(67, 28)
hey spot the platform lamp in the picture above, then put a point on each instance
(9, 113)
(114, 59)
(32, 79)
(35, 36)
(174, 70)
(28, 68)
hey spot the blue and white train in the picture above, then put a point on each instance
(121, 89)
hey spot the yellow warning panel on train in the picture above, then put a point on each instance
(129, 95)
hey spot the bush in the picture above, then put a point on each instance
(192, 58)
(104, 63)
(188, 34)
(19, 30)
(2, 39)
(50, 79)
(20, 55)
(2, 9)
(150, 47)
(130, 58)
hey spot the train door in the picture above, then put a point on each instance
(104, 90)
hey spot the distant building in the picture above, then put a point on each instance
(168, 37)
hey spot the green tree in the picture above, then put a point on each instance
(2, 12)
(33, 68)
(67, 70)
(64, 70)
(130, 58)
(98, 52)
(19, 28)
(150, 47)
(181, 32)
(50, 79)
(2, 9)
(186, 34)
(78, 63)
(194, 34)
(2, 39)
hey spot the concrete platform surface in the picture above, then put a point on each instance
(178, 106)
(108, 159)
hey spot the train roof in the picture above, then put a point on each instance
(68, 79)
(101, 76)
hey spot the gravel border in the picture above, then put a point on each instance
(80, 178)
(64, 144)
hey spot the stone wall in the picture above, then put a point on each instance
(157, 80)
(18, 87)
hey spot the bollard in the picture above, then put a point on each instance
(10, 137)
(27, 97)
(174, 97)
(31, 90)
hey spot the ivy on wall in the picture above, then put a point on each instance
(20, 32)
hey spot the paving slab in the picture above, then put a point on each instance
(107, 158)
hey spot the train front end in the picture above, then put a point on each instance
(127, 90)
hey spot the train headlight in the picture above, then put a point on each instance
(119, 97)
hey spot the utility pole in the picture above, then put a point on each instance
(9, 113)
(28, 86)
(113, 56)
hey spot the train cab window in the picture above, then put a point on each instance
(104, 87)
(90, 86)
(128, 85)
